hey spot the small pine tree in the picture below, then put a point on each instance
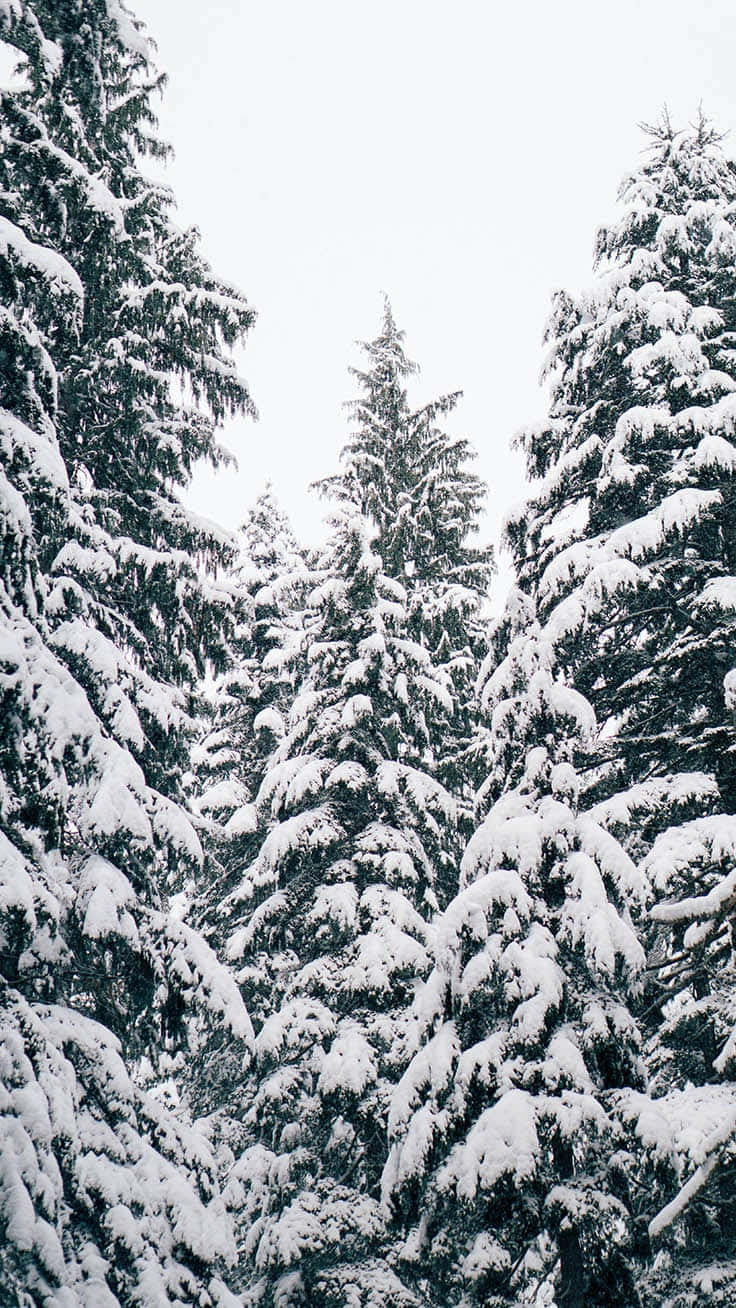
(330, 930)
(250, 701)
(505, 1163)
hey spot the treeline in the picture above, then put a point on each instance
(356, 950)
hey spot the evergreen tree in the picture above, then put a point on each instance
(330, 930)
(628, 542)
(251, 699)
(628, 545)
(505, 1162)
(105, 616)
(409, 477)
(151, 334)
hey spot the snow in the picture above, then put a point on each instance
(568, 523)
(51, 266)
(381, 954)
(564, 1064)
(483, 1062)
(315, 828)
(356, 708)
(626, 808)
(306, 779)
(172, 826)
(269, 719)
(436, 691)
(719, 900)
(129, 32)
(41, 451)
(106, 898)
(631, 882)
(590, 917)
(352, 775)
(502, 1141)
(430, 1070)
(485, 1255)
(600, 567)
(116, 807)
(509, 838)
(242, 940)
(714, 451)
(17, 888)
(534, 977)
(243, 822)
(336, 904)
(677, 1206)
(349, 1066)
(299, 1021)
(78, 1090)
(425, 792)
(691, 1128)
(704, 842)
(204, 980)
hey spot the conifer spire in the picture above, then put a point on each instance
(409, 476)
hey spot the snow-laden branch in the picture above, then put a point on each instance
(700, 1177)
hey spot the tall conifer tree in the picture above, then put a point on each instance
(628, 542)
(105, 617)
(628, 546)
(330, 929)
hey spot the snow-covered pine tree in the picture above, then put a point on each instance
(145, 378)
(330, 930)
(409, 476)
(105, 1196)
(251, 698)
(629, 548)
(505, 1161)
(628, 540)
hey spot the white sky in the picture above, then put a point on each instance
(458, 156)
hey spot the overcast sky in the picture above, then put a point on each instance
(458, 156)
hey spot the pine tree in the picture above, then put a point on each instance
(330, 930)
(151, 335)
(105, 1195)
(251, 699)
(628, 546)
(409, 477)
(505, 1164)
(628, 542)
